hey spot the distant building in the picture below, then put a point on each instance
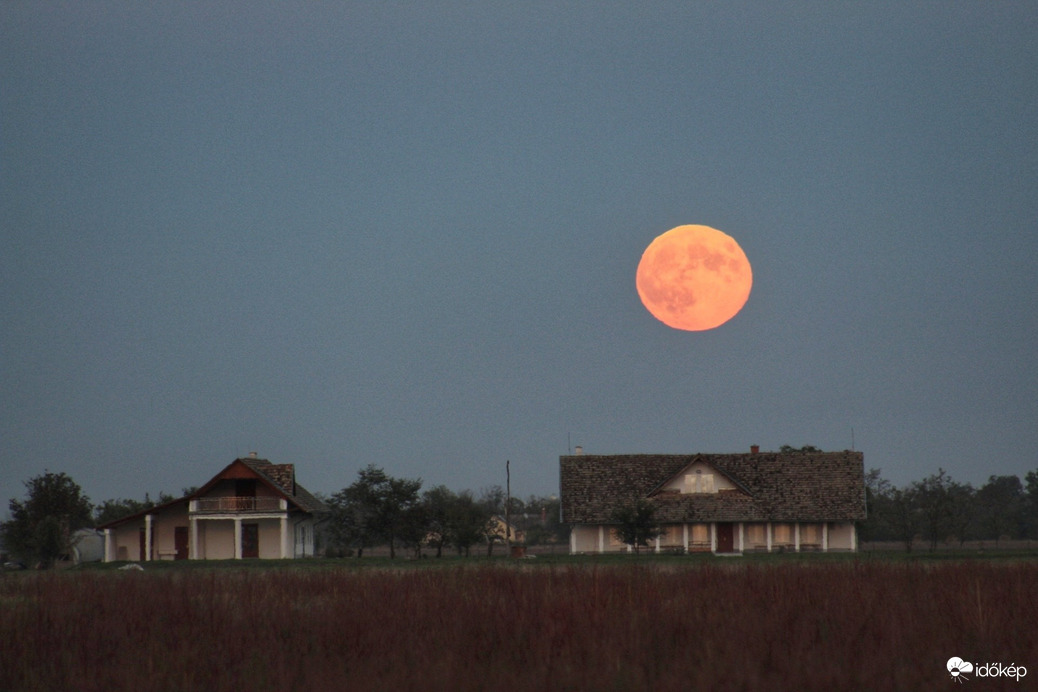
(252, 508)
(720, 503)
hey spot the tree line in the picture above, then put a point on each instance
(939, 509)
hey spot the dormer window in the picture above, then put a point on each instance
(699, 482)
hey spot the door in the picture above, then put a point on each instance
(725, 538)
(144, 546)
(250, 540)
(180, 542)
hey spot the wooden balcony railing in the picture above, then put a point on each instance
(237, 504)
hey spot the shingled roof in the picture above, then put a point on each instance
(283, 477)
(771, 486)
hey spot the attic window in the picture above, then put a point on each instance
(699, 482)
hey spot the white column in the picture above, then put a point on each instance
(742, 545)
(769, 536)
(713, 537)
(796, 536)
(573, 541)
(109, 548)
(854, 538)
(657, 544)
(284, 538)
(237, 538)
(192, 552)
(601, 538)
(147, 537)
(825, 537)
(685, 528)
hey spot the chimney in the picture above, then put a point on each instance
(754, 449)
(579, 451)
(253, 455)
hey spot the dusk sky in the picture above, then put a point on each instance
(341, 234)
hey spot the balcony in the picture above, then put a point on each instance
(209, 505)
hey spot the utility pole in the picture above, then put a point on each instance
(508, 509)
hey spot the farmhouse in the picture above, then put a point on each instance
(252, 508)
(720, 503)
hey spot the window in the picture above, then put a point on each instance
(700, 533)
(781, 534)
(755, 534)
(699, 482)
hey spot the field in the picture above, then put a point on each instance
(566, 624)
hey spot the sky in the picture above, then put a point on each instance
(340, 233)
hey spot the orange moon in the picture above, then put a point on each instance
(694, 278)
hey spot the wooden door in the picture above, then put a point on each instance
(180, 542)
(250, 540)
(725, 538)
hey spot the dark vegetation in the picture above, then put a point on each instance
(620, 624)
(395, 513)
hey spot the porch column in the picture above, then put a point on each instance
(237, 538)
(854, 538)
(601, 538)
(147, 537)
(685, 528)
(284, 537)
(825, 537)
(742, 546)
(573, 541)
(192, 549)
(109, 548)
(769, 536)
(657, 544)
(713, 537)
(796, 536)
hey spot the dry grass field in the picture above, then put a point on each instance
(521, 625)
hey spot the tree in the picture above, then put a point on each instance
(637, 524)
(961, 510)
(540, 521)
(1031, 503)
(788, 449)
(467, 522)
(375, 509)
(877, 498)
(110, 510)
(41, 527)
(438, 502)
(1001, 505)
(934, 502)
(903, 515)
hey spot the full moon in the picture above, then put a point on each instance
(694, 278)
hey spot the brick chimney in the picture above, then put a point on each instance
(754, 449)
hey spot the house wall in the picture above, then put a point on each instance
(163, 525)
(842, 536)
(226, 488)
(679, 484)
(812, 536)
(755, 536)
(584, 539)
(218, 539)
(126, 541)
(269, 538)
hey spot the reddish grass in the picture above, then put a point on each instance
(790, 626)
